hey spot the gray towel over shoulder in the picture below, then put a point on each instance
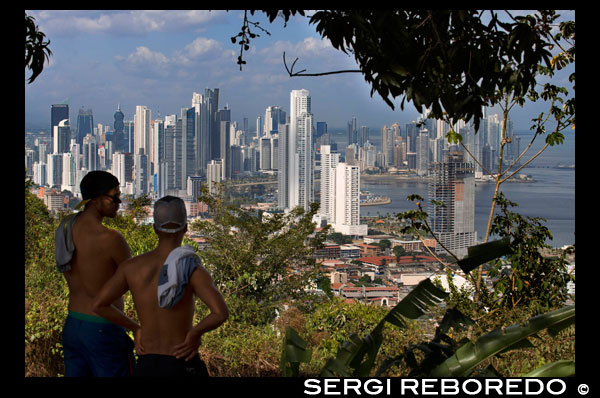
(63, 243)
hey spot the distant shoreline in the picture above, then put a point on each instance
(405, 178)
(385, 201)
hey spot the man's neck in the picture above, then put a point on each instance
(92, 214)
(168, 245)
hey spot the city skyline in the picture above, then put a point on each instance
(158, 59)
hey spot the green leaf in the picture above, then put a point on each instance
(294, 353)
(467, 357)
(561, 368)
(484, 252)
(453, 137)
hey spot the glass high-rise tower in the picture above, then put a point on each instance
(85, 124)
(119, 135)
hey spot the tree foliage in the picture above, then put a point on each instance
(525, 276)
(36, 49)
(453, 62)
(259, 260)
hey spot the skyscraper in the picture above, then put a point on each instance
(301, 165)
(58, 113)
(62, 137)
(142, 141)
(347, 201)
(119, 134)
(274, 116)
(453, 184)
(329, 162)
(85, 124)
(284, 173)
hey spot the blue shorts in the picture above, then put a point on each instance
(95, 347)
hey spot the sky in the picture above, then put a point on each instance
(104, 59)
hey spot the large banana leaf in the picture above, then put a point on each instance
(484, 252)
(562, 368)
(462, 363)
(350, 359)
(294, 353)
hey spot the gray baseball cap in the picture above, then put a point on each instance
(170, 210)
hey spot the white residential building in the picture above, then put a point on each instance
(296, 180)
(347, 201)
(329, 162)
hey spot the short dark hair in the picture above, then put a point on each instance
(96, 183)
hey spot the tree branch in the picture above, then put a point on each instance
(291, 72)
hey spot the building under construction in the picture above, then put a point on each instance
(453, 184)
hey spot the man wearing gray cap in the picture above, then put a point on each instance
(163, 283)
(87, 254)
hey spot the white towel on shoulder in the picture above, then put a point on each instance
(175, 275)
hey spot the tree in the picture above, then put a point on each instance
(399, 251)
(525, 275)
(36, 49)
(456, 62)
(453, 62)
(259, 260)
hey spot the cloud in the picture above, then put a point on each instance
(120, 22)
(202, 46)
(144, 55)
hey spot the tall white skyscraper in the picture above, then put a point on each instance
(329, 162)
(300, 147)
(142, 140)
(347, 201)
(142, 130)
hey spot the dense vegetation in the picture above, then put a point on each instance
(251, 342)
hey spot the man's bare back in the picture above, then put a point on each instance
(162, 328)
(98, 251)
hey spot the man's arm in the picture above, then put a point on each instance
(121, 249)
(114, 288)
(205, 289)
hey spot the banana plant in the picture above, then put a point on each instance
(470, 354)
(444, 357)
(356, 357)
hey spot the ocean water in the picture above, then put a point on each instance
(551, 196)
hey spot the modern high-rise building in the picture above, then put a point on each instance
(58, 113)
(206, 115)
(119, 138)
(300, 147)
(340, 194)
(422, 147)
(453, 184)
(140, 172)
(141, 128)
(347, 201)
(274, 116)
(284, 173)
(214, 175)
(142, 140)
(85, 124)
(329, 162)
(62, 137)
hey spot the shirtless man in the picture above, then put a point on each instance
(87, 253)
(169, 339)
